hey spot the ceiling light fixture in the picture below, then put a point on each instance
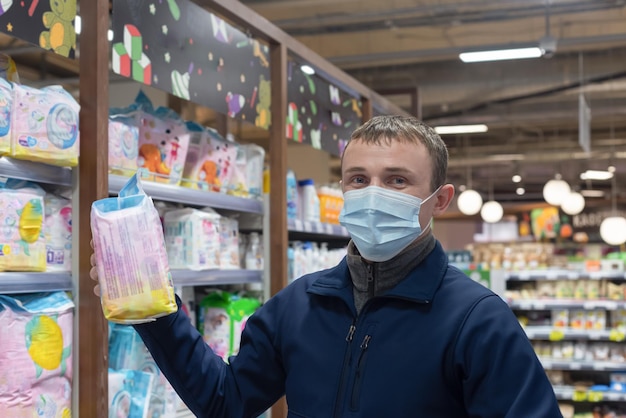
(461, 129)
(520, 191)
(613, 228)
(596, 175)
(501, 54)
(573, 204)
(556, 190)
(516, 178)
(592, 193)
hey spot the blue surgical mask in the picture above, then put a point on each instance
(381, 222)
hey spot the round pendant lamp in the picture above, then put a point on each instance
(469, 202)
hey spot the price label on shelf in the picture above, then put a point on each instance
(575, 366)
(556, 335)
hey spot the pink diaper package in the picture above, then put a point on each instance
(123, 141)
(192, 239)
(210, 160)
(36, 355)
(22, 241)
(135, 280)
(6, 101)
(163, 142)
(58, 233)
(44, 125)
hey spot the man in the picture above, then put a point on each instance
(392, 331)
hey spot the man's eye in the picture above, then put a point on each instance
(398, 180)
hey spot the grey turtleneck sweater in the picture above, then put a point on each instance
(372, 279)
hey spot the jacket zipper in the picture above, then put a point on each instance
(358, 377)
(346, 365)
(370, 281)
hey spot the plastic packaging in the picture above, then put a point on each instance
(123, 140)
(135, 280)
(192, 239)
(6, 102)
(58, 233)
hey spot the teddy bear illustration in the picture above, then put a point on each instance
(150, 155)
(264, 115)
(61, 36)
(209, 174)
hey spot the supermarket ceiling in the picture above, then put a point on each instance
(531, 106)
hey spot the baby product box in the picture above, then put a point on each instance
(192, 239)
(44, 125)
(6, 102)
(36, 355)
(123, 141)
(129, 393)
(128, 352)
(58, 233)
(135, 280)
(22, 241)
(210, 160)
(163, 144)
(229, 243)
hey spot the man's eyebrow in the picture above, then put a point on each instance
(387, 169)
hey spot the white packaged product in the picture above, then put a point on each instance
(192, 239)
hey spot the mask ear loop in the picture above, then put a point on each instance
(430, 221)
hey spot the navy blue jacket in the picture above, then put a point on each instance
(436, 345)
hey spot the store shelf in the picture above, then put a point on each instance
(215, 277)
(564, 275)
(559, 364)
(317, 228)
(557, 334)
(184, 195)
(568, 393)
(547, 304)
(18, 282)
(37, 172)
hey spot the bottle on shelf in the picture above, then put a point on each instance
(309, 202)
(254, 253)
(292, 196)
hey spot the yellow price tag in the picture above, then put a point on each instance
(579, 396)
(616, 335)
(556, 335)
(595, 396)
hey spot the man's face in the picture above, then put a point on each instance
(401, 166)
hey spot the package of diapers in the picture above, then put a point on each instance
(44, 125)
(6, 102)
(129, 393)
(192, 239)
(58, 232)
(22, 241)
(128, 352)
(36, 355)
(123, 141)
(210, 160)
(135, 280)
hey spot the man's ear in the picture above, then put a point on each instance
(443, 199)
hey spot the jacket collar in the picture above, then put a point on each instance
(419, 286)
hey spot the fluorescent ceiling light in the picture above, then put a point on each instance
(307, 69)
(501, 54)
(596, 175)
(506, 157)
(592, 193)
(460, 129)
(78, 26)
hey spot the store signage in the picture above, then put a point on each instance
(553, 224)
(181, 48)
(48, 24)
(318, 113)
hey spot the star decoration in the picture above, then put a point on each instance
(10, 27)
(167, 57)
(156, 79)
(152, 9)
(164, 28)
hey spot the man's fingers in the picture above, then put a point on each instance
(96, 290)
